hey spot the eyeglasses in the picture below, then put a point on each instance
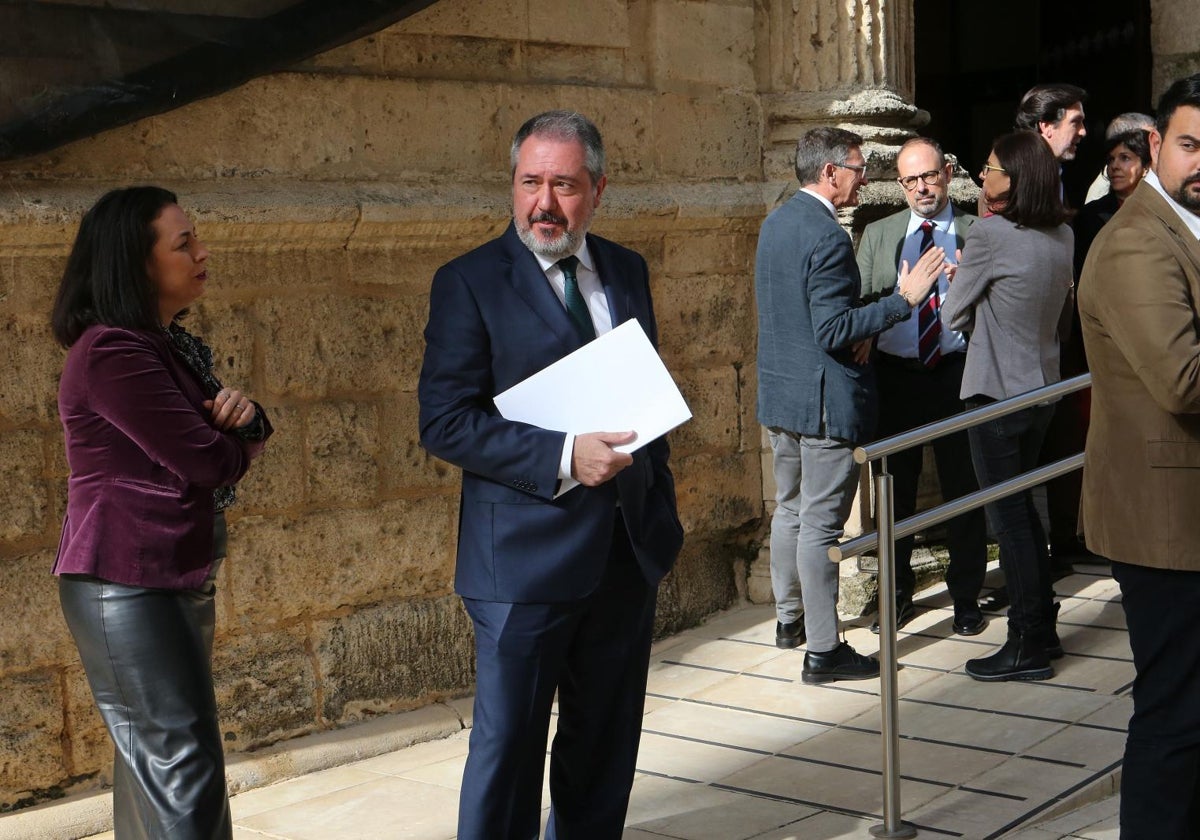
(860, 169)
(987, 167)
(929, 178)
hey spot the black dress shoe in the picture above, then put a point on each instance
(789, 635)
(1021, 658)
(995, 600)
(968, 619)
(1054, 648)
(841, 663)
(905, 611)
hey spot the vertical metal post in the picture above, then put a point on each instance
(888, 693)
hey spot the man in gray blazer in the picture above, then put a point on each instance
(916, 388)
(816, 394)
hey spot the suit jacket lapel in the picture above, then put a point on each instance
(615, 287)
(530, 283)
(897, 232)
(962, 223)
(1154, 203)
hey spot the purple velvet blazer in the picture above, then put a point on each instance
(144, 460)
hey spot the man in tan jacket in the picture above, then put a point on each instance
(1138, 301)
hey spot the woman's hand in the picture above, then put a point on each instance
(231, 409)
(952, 267)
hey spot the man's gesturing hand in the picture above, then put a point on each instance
(594, 461)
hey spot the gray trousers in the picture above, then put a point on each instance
(815, 480)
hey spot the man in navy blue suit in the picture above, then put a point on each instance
(560, 580)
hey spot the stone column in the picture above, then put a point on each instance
(847, 63)
(842, 63)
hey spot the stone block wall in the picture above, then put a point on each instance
(328, 195)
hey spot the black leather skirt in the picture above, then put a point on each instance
(148, 658)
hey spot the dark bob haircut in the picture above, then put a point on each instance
(105, 281)
(1035, 186)
(1137, 141)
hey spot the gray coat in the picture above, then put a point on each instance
(1012, 293)
(807, 287)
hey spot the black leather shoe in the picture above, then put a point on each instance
(789, 635)
(968, 619)
(905, 611)
(1054, 648)
(1020, 658)
(841, 663)
(995, 600)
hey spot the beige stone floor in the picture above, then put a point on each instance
(735, 746)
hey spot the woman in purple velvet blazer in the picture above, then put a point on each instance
(155, 445)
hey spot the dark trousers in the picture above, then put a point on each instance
(147, 655)
(1065, 436)
(1160, 779)
(594, 653)
(911, 395)
(1002, 449)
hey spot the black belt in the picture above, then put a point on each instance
(916, 365)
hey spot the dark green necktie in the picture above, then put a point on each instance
(575, 305)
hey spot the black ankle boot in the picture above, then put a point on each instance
(1054, 648)
(1021, 658)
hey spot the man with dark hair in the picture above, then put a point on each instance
(920, 373)
(1141, 473)
(815, 396)
(559, 580)
(1055, 112)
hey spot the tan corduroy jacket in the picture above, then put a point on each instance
(1139, 296)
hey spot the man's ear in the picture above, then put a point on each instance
(1155, 147)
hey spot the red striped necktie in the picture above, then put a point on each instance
(929, 320)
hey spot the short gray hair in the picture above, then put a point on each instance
(1127, 122)
(565, 126)
(822, 145)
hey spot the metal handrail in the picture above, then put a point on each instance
(969, 418)
(948, 510)
(885, 540)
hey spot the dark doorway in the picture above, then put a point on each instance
(975, 60)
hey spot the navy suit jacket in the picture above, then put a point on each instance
(494, 320)
(807, 285)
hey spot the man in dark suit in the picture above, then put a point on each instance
(1055, 113)
(560, 580)
(816, 392)
(917, 388)
(1139, 302)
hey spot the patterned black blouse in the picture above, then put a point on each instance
(199, 358)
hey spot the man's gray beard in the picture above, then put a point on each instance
(928, 212)
(562, 246)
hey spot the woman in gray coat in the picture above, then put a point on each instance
(1012, 293)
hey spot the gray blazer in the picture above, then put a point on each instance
(1012, 293)
(880, 246)
(807, 288)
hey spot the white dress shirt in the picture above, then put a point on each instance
(1189, 218)
(902, 339)
(592, 291)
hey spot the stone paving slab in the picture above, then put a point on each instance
(736, 747)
